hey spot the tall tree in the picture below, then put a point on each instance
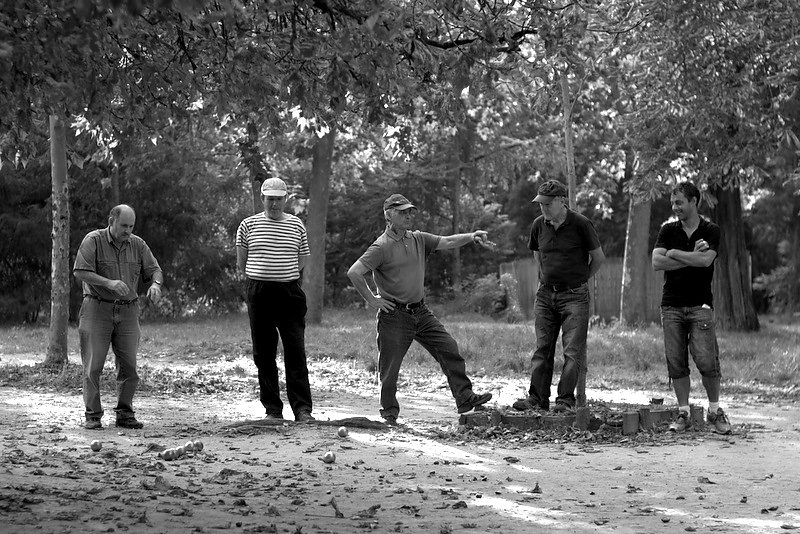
(59, 300)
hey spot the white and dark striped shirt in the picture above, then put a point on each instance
(273, 247)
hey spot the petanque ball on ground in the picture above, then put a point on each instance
(342, 432)
(198, 445)
(96, 445)
(189, 446)
(329, 457)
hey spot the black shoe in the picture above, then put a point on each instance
(524, 405)
(304, 417)
(474, 401)
(390, 420)
(273, 417)
(129, 422)
(93, 424)
(563, 408)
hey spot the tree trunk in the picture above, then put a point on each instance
(455, 201)
(569, 151)
(114, 193)
(254, 161)
(318, 196)
(59, 276)
(733, 296)
(794, 265)
(636, 262)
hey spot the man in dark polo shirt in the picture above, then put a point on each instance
(109, 263)
(569, 253)
(397, 260)
(685, 250)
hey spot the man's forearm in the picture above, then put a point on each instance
(92, 278)
(664, 263)
(688, 259)
(360, 283)
(457, 240)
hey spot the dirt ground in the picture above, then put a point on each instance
(428, 475)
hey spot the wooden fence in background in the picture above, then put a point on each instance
(605, 288)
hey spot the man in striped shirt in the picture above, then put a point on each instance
(271, 251)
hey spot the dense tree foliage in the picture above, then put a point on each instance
(183, 108)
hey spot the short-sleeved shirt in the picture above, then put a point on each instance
(273, 247)
(564, 251)
(398, 264)
(688, 286)
(128, 262)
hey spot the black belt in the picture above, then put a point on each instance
(558, 287)
(408, 306)
(117, 302)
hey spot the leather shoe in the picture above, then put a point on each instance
(129, 422)
(304, 417)
(93, 424)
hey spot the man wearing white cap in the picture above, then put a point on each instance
(397, 260)
(271, 251)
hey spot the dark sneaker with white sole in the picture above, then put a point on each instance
(474, 401)
(682, 423)
(720, 422)
(390, 420)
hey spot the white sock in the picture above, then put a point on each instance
(713, 407)
(684, 409)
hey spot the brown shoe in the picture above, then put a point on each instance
(304, 417)
(129, 422)
(93, 424)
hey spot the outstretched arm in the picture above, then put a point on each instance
(481, 237)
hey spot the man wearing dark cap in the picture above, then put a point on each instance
(569, 253)
(271, 251)
(397, 260)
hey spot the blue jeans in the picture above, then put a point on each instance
(690, 329)
(568, 312)
(279, 308)
(103, 324)
(396, 330)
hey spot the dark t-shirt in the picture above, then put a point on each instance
(564, 252)
(688, 286)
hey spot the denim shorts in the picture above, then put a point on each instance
(690, 329)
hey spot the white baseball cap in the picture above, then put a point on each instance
(273, 187)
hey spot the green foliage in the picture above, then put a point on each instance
(486, 296)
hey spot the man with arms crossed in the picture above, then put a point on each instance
(397, 260)
(685, 250)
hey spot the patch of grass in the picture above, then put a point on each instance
(214, 354)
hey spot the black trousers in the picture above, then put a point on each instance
(279, 308)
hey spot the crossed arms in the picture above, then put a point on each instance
(673, 259)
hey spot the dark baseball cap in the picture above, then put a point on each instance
(397, 201)
(550, 189)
